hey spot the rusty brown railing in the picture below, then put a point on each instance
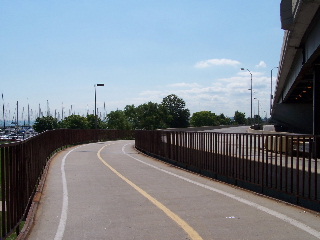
(22, 164)
(281, 166)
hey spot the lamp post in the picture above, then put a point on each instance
(271, 95)
(17, 114)
(251, 92)
(258, 118)
(4, 120)
(95, 103)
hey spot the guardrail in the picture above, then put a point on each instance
(281, 166)
(22, 164)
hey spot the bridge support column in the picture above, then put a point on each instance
(316, 110)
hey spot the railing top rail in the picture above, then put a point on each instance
(262, 133)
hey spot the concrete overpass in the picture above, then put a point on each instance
(296, 101)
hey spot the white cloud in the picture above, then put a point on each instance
(151, 93)
(184, 85)
(254, 74)
(221, 95)
(216, 62)
(261, 64)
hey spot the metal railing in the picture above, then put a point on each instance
(22, 164)
(281, 166)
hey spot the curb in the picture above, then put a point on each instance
(35, 203)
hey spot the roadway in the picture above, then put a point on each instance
(238, 129)
(108, 190)
(241, 129)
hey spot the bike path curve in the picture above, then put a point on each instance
(108, 190)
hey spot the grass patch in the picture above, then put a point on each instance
(13, 236)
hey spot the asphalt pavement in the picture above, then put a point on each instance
(236, 129)
(108, 190)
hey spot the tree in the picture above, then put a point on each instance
(130, 112)
(75, 122)
(257, 119)
(224, 120)
(240, 118)
(177, 116)
(92, 123)
(117, 120)
(45, 123)
(150, 116)
(204, 118)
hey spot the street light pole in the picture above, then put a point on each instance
(95, 103)
(258, 118)
(17, 114)
(271, 95)
(251, 92)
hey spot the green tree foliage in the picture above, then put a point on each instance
(130, 112)
(170, 113)
(223, 120)
(150, 116)
(177, 116)
(75, 122)
(257, 119)
(204, 118)
(240, 118)
(92, 124)
(45, 123)
(117, 120)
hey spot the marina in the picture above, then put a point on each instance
(18, 133)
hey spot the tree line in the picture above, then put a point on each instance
(170, 113)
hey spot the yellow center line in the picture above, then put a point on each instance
(183, 224)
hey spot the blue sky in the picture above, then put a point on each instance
(56, 51)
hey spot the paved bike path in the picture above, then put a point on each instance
(108, 190)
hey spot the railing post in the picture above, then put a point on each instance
(316, 147)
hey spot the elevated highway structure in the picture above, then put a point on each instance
(296, 101)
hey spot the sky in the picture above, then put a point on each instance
(54, 52)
